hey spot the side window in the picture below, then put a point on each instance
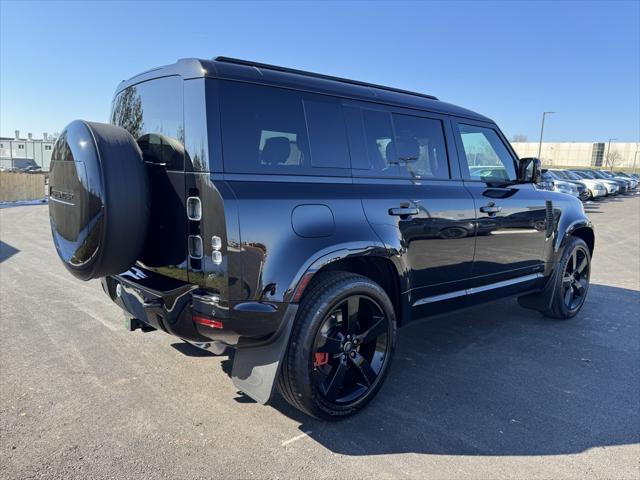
(152, 113)
(397, 145)
(420, 146)
(488, 159)
(278, 131)
(263, 129)
(379, 140)
(327, 132)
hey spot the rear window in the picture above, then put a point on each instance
(152, 113)
(278, 131)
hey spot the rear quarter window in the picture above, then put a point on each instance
(278, 131)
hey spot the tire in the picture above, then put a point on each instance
(98, 199)
(570, 290)
(304, 381)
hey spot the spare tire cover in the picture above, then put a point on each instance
(98, 199)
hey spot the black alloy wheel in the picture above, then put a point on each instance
(341, 346)
(350, 349)
(571, 284)
(575, 281)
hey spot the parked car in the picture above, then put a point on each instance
(594, 188)
(633, 176)
(25, 165)
(632, 183)
(560, 176)
(613, 187)
(280, 213)
(623, 185)
(551, 182)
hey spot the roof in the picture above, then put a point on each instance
(13, 139)
(226, 68)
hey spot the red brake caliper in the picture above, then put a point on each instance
(321, 359)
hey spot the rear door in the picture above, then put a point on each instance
(412, 194)
(152, 112)
(511, 217)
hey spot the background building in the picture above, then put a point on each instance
(18, 153)
(582, 154)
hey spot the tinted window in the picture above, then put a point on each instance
(487, 156)
(420, 146)
(379, 140)
(327, 132)
(263, 129)
(279, 131)
(152, 113)
(397, 145)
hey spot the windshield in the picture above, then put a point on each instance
(571, 175)
(598, 174)
(584, 174)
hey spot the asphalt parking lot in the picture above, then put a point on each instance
(490, 392)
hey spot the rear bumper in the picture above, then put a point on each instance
(183, 310)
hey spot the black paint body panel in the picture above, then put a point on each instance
(275, 230)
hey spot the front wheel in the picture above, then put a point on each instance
(572, 282)
(341, 346)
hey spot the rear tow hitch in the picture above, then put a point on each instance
(131, 324)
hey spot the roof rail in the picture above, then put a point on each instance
(319, 75)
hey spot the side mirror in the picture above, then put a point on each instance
(529, 170)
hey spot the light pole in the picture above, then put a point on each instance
(544, 114)
(606, 157)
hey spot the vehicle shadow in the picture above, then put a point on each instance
(6, 251)
(191, 350)
(500, 380)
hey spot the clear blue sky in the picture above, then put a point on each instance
(508, 60)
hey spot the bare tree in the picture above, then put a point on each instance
(613, 157)
(519, 137)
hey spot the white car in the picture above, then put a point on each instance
(549, 183)
(596, 187)
(611, 186)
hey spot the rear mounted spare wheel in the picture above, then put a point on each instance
(98, 199)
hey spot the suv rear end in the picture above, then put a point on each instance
(188, 280)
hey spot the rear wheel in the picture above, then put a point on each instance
(572, 282)
(341, 346)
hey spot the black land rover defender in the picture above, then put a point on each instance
(301, 218)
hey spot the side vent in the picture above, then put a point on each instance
(550, 218)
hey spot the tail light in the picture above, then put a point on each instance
(207, 322)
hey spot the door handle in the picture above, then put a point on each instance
(403, 211)
(491, 209)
